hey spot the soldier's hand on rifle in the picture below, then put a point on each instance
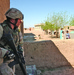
(21, 56)
(9, 55)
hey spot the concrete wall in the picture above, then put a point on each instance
(49, 54)
(4, 6)
(71, 35)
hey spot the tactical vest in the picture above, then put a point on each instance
(14, 33)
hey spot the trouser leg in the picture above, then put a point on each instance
(13, 68)
(6, 70)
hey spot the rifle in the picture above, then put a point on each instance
(9, 40)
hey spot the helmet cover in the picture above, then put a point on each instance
(14, 13)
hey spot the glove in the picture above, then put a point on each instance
(20, 53)
(9, 55)
(20, 48)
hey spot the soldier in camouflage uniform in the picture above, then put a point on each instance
(10, 25)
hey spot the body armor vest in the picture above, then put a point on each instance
(14, 33)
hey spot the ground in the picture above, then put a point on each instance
(64, 70)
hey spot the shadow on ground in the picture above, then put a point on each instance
(47, 58)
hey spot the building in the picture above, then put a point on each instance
(38, 26)
(4, 6)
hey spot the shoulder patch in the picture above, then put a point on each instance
(1, 31)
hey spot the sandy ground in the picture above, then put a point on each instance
(66, 70)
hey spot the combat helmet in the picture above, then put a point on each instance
(14, 13)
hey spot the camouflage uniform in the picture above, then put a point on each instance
(4, 69)
(17, 37)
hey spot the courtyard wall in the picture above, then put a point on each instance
(49, 53)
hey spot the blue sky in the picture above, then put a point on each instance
(36, 11)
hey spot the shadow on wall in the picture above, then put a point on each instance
(44, 54)
(29, 37)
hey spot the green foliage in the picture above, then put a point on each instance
(68, 27)
(56, 21)
(72, 21)
(47, 26)
(59, 19)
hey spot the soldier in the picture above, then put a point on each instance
(13, 20)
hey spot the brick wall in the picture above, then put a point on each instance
(4, 6)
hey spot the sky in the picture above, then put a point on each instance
(36, 11)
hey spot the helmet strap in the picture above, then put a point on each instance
(9, 21)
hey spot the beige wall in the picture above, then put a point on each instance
(49, 54)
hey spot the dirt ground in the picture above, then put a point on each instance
(65, 70)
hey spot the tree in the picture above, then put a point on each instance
(59, 20)
(72, 21)
(45, 28)
(48, 26)
(55, 22)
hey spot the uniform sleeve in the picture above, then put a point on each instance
(1, 31)
(20, 39)
(2, 52)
